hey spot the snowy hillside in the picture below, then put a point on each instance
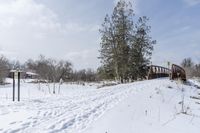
(140, 107)
(154, 107)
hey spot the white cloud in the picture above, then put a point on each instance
(20, 12)
(83, 57)
(28, 29)
(22, 22)
(192, 2)
(72, 27)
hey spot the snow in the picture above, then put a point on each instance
(195, 81)
(147, 106)
(31, 73)
(153, 108)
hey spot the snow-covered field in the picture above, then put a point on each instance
(152, 106)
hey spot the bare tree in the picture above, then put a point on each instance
(4, 68)
(197, 70)
(63, 70)
(188, 65)
(50, 69)
(85, 75)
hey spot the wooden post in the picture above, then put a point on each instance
(13, 86)
(18, 86)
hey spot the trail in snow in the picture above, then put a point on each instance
(77, 107)
(153, 109)
(69, 112)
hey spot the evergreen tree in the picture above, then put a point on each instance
(126, 48)
(141, 49)
(116, 33)
(108, 47)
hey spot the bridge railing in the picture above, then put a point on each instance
(158, 72)
(176, 72)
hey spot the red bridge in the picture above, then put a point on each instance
(176, 72)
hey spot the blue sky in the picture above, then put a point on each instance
(175, 25)
(68, 29)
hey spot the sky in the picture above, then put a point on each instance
(69, 29)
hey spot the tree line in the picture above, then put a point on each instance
(126, 44)
(48, 69)
(192, 69)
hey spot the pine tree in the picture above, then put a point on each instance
(126, 48)
(141, 49)
(108, 47)
(116, 33)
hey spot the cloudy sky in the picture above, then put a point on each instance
(68, 29)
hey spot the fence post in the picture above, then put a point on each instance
(13, 74)
(18, 86)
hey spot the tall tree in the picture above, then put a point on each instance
(126, 48)
(116, 33)
(141, 49)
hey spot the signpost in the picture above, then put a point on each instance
(18, 86)
(16, 75)
(13, 74)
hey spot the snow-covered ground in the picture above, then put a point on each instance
(152, 106)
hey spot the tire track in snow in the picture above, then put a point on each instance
(60, 114)
(72, 112)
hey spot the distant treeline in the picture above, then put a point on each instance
(47, 69)
(192, 69)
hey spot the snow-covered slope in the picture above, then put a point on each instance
(154, 107)
(146, 106)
